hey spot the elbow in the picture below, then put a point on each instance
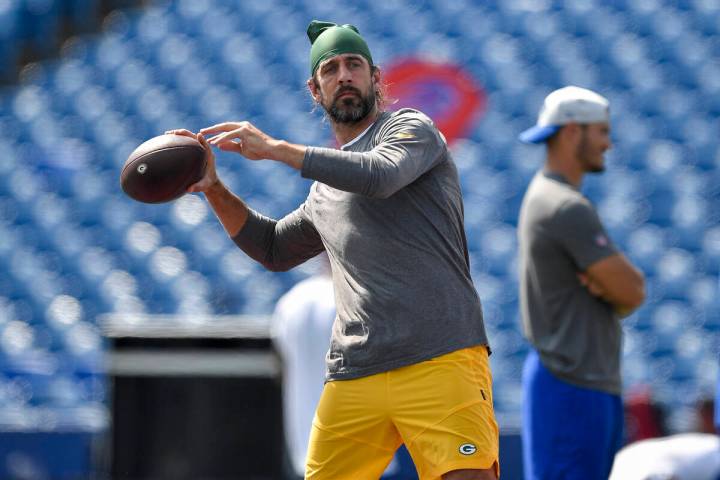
(639, 295)
(635, 296)
(639, 290)
(634, 301)
(383, 183)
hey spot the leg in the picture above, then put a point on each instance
(614, 423)
(352, 436)
(569, 432)
(598, 434)
(443, 411)
(537, 438)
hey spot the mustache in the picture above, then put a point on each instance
(347, 89)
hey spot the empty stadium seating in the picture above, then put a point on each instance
(72, 246)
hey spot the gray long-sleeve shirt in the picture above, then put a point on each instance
(388, 210)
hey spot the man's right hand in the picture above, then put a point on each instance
(593, 287)
(210, 179)
(228, 207)
(254, 144)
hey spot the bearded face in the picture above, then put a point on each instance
(347, 87)
(349, 105)
(594, 141)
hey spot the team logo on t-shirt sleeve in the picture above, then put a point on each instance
(404, 135)
(601, 240)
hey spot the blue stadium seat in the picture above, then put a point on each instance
(645, 245)
(711, 248)
(9, 36)
(675, 268)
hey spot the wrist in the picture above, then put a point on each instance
(216, 187)
(290, 154)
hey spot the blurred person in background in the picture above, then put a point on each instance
(575, 286)
(300, 328)
(685, 456)
(706, 415)
(717, 407)
(644, 416)
(408, 360)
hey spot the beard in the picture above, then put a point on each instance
(350, 109)
(585, 155)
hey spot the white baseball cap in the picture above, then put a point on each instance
(567, 105)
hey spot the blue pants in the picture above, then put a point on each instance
(404, 468)
(717, 407)
(569, 432)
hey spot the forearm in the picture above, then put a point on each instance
(632, 293)
(616, 281)
(278, 245)
(408, 146)
(366, 173)
(228, 207)
(290, 154)
(622, 304)
(626, 306)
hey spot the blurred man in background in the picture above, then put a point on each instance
(574, 288)
(408, 359)
(300, 329)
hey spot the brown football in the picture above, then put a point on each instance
(161, 169)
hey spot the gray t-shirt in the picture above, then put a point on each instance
(388, 210)
(577, 335)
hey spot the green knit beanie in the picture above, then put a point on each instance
(329, 39)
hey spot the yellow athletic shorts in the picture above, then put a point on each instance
(441, 409)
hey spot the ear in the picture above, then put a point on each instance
(314, 89)
(572, 132)
(376, 75)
